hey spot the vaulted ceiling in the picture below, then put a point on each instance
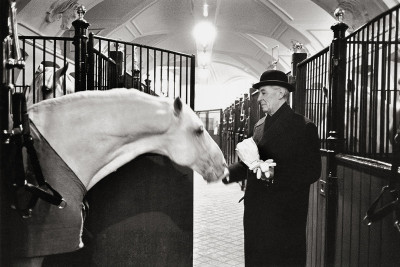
(251, 34)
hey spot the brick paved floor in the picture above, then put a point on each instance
(218, 225)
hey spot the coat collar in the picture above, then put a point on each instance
(280, 121)
(283, 110)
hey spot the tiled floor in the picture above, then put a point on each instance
(218, 227)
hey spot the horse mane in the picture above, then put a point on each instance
(98, 95)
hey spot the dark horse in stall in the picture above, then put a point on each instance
(140, 215)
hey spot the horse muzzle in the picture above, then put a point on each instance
(211, 175)
(224, 175)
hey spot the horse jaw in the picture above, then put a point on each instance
(215, 172)
(211, 176)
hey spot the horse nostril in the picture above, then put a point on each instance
(225, 174)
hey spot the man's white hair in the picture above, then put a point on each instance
(285, 93)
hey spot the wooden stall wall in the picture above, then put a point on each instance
(316, 220)
(358, 244)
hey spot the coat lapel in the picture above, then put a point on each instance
(277, 128)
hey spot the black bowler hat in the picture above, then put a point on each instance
(274, 77)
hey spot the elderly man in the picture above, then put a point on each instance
(276, 198)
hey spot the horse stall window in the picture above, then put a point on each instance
(43, 56)
(212, 122)
(372, 88)
(312, 91)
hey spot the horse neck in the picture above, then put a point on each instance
(97, 135)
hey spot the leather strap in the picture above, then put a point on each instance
(22, 138)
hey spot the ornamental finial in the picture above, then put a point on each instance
(339, 14)
(81, 12)
(297, 47)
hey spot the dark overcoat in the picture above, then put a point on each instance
(275, 215)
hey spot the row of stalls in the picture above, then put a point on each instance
(350, 90)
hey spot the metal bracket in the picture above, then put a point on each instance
(322, 187)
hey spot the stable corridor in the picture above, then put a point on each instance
(217, 224)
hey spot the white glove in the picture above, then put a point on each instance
(248, 152)
(266, 167)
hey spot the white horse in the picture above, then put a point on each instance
(90, 134)
(49, 83)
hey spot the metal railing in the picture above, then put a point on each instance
(312, 87)
(99, 63)
(54, 51)
(372, 94)
(114, 63)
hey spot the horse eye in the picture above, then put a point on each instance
(46, 89)
(200, 130)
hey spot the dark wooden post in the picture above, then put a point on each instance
(4, 90)
(254, 115)
(336, 108)
(192, 80)
(221, 114)
(90, 63)
(4, 8)
(10, 58)
(80, 42)
(299, 81)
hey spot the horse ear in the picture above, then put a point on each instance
(177, 106)
(62, 71)
(40, 69)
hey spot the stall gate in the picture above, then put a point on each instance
(212, 120)
(93, 62)
(350, 90)
(105, 64)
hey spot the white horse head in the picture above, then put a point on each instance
(49, 83)
(97, 132)
(187, 132)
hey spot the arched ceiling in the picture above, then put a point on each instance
(251, 34)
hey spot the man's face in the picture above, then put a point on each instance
(269, 98)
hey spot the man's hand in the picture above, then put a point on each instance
(264, 169)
